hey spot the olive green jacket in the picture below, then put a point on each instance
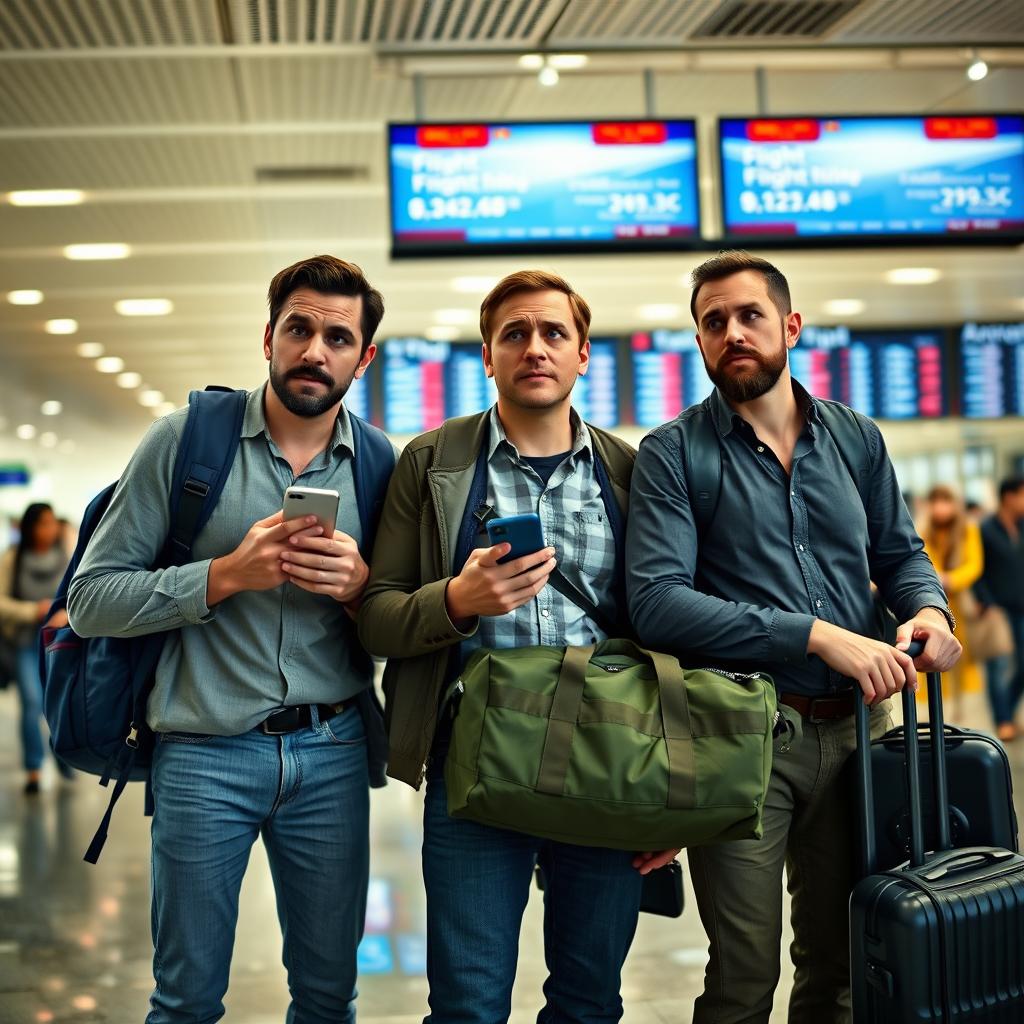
(403, 615)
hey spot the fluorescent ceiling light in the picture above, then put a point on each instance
(25, 297)
(151, 399)
(144, 307)
(660, 311)
(844, 307)
(51, 408)
(110, 364)
(26, 432)
(454, 317)
(568, 61)
(473, 285)
(441, 333)
(46, 197)
(129, 380)
(531, 62)
(65, 326)
(913, 275)
(97, 251)
(548, 76)
(977, 71)
(48, 439)
(90, 349)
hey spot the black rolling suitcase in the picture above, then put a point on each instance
(940, 938)
(981, 811)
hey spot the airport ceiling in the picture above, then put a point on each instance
(223, 139)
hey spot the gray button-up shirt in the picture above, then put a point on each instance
(782, 550)
(222, 670)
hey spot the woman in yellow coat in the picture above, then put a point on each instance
(953, 542)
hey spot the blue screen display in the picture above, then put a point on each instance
(471, 186)
(863, 176)
(668, 375)
(991, 370)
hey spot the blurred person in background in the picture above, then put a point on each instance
(30, 573)
(1002, 586)
(953, 543)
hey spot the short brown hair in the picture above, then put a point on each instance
(733, 261)
(533, 281)
(329, 276)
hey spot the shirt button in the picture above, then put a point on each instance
(545, 497)
(760, 447)
(545, 612)
(800, 546)
(792, 494)
(818, 603)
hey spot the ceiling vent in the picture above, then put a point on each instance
(775, 19)
(339, 174)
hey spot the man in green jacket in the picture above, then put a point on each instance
(437, 592)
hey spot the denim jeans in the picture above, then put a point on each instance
(1005, 675)
(307, 794)
(30, 692)
(478, 881)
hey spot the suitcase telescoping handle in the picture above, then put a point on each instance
(912, 764)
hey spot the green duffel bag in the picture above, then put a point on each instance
(610, 745)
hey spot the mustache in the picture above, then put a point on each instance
(310, 373)
(740, 350)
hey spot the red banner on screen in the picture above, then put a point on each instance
(784, 130)
(960, 127)
(628, 133)
(451, 136)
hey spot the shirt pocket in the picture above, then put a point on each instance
(594, 543)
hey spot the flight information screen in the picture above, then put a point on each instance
(951, 176)
(413, 384)
(897, 375)
(541, 185)
(991, 363)
(358, 398)
(668, 375)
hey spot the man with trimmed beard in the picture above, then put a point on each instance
(260, 707)
(778, 579)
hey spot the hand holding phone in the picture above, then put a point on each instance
(312, 501)
(524, 533)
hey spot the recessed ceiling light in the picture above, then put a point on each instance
(473, 285)
(977, 71)
(144, 307)
(129, 380)
(65, 326)
(25, 297)
(46, 197)
(48, 439)
(26, 432)
(531, 62)
(442, 333)
(844, 307)
(110, 364)
(97, 251)
(454, 317)
(568, 61)
(51, 408)
(90, 349)
(548, 76)
(913, 275)
(66, 447)
(151, 399)
(660, 311)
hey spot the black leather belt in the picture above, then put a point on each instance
(821, 709)
(300, 716)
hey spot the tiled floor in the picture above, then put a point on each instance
(74, 939)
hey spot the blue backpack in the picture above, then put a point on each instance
(95, 689)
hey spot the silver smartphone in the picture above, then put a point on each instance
(312, 501)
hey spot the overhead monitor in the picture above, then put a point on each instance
(896, 375)
(668, 375)
(991, 364)
(831, 179)
(542, 186)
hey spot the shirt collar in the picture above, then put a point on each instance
(582, 442)
(726, 418)
(254, 423)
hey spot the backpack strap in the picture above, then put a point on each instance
(702, 465)
(371, 472)
(205, 456)
(848, 434)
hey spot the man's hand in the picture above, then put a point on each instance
(326, 565)
(486, 588)
(941, 651)
(256, 563)
(880, 670)
(42, 608)
(645, 863)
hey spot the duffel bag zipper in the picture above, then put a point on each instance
(736, 677)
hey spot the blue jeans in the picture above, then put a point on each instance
(307, 794)
(478, 881)
(1006, 682)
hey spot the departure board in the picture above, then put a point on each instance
(413, 378)
(596, 395)
(897, 375)
(460, 188)
(668, 375)
(358, 398)
(991, 363)
(856, 177)
(468, 388)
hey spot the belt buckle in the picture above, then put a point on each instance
(293, 716)
(811, 716)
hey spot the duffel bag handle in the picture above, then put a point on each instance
(675, 720)
(562, 719)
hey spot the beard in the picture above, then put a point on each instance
(752, 384)
(307, 405)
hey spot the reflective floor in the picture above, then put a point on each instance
(75, 946)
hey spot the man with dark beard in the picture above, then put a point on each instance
(259, 706)
(778, 580)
